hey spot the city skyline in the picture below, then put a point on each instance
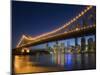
(71, 42)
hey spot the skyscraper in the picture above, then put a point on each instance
(62, 47)
(83, 44)
(90, 44)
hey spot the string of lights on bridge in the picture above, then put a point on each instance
(77, 29)
(45, 35)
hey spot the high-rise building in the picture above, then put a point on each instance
(68, 43)
(76, 41)
(56, 47)
(90, 44)
(48, 48)
(62, 47)
(83, 44)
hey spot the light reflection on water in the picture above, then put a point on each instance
(54, 62)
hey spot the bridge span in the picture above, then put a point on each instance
(78, 32)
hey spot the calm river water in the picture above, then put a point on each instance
(53, 62)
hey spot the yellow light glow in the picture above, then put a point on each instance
(27, 50)
(76, 17)
(79, 15)
(82, 13)
(22, 50)
(77, 29)
(85, 11)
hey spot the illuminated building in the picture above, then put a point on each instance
(90, 44)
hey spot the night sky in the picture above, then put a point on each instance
(32, 18)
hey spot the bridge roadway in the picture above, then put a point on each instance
(71, 34)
